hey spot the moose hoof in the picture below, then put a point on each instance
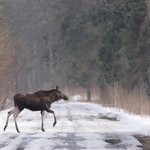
(18, 131)
(4, 128)
(43, 130)
(54, 124)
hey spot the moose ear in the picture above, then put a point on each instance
(57, 87)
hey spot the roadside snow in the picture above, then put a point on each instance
(79, 126)
(75, 98)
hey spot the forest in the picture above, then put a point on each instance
(98, 48)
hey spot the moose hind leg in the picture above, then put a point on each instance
(16, 113)
(8, 115)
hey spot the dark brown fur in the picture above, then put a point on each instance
(39, 101)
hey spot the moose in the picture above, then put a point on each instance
(38, 101)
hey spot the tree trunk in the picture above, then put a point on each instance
(146, 81)
(148, 8)
(88, 91)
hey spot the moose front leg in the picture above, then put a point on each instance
(54, 119)
(42, 118)
(50, 111)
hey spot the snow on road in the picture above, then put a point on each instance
(79, 127)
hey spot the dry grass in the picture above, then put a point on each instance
(135, 101)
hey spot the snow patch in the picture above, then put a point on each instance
(75, 98)
(78, 127)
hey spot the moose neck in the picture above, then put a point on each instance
(53, 96)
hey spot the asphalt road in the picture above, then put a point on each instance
(80, 126)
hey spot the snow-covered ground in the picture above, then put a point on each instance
(79, 127)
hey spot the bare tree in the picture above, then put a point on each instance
(10, 51)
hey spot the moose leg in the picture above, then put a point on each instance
(42, 118)
(50, 111)
(8, 115)
(16, 113)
